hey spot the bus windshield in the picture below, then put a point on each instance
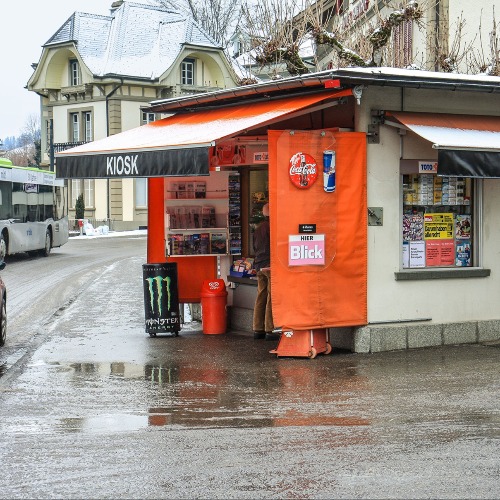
(33, 213)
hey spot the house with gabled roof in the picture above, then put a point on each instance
(97, 73)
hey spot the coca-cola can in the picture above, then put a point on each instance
(329, 171)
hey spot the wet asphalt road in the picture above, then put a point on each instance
(91, 407)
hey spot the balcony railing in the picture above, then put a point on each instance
(62, 146)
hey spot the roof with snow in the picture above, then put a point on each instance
(135, 40)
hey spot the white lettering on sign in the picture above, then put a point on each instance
(122, 165)
(304, 252)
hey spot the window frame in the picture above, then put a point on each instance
(89, 126)
(141, 192)
(75, 127)
(185, 65)
(74, 73)
(85, 186)
(147, 117)
(81, 125)
(476, 249)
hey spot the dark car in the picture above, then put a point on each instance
(3, 309)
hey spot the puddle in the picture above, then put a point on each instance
(190, 396)
(162, 417)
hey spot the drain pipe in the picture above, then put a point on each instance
(438, 33)
(108, 194)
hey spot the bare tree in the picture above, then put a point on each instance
(363, 41)
(218, 18)
(489, 62)
(28, 151)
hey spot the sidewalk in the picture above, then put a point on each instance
(105, 411)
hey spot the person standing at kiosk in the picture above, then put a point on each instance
(263, 325)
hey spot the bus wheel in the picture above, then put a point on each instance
(3, 248)
(48, 244)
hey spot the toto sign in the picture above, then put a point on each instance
(303, 170)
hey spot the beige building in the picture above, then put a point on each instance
(97, 73)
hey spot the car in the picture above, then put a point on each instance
(3, 309)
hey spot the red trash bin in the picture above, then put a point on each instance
(213, 306)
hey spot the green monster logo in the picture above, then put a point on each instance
(155, 282)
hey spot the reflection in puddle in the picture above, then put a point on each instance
(277, 395)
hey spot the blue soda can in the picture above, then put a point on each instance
(329, 171)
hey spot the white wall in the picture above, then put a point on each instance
(443, 300)
(131, 114)
(61, 119)
(101, 198)
(128, 197)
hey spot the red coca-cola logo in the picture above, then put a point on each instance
(303, 170)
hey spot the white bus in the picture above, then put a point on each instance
(32, 210)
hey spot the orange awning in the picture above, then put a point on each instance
(468, 145)
(178, 145)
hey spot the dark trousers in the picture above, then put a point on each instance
(263, 311)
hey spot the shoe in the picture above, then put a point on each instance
(272, 336)
(259, 335)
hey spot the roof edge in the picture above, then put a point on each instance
(348, 77)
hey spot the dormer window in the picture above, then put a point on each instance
(187, 72)
(148, 117)
(74, 73)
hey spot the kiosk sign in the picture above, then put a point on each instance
(306, 250)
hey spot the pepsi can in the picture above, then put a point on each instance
(329, 171)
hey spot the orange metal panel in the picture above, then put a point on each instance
(191, 273)
(156, 221)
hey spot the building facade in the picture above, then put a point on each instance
(97, 73)
(447, 35)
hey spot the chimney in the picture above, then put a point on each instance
(115, 5)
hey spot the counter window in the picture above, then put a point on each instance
(438, 223)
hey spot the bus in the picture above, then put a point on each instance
(33, 214)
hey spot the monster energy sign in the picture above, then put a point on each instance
(161, 299)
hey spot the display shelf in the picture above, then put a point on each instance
(202, 215)
(196, 201)
(197, 230)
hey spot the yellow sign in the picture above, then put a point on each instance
(438, 226)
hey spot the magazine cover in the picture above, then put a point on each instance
(208, 216)
(463, 254)
(192, 244)
(200, 189)
(190, 189)
(218, 243)
(413, 227)
(181, 193)
(204, 243)
(176, 244)
(463, 227)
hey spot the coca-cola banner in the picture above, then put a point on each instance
(319, 280)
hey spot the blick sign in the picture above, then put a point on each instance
(306, 250)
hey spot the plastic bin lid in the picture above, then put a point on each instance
(213, 287)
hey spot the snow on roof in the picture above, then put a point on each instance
(427, 75)
(136, 40)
